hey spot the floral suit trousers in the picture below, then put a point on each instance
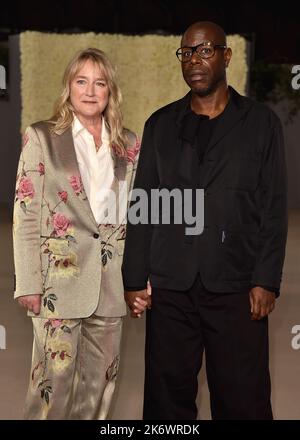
(74, 368)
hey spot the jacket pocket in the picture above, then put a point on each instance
(240, 250)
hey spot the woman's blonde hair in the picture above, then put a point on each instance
(63, 111)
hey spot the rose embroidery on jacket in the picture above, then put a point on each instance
(133, 151)
(25, 189)
(76, 184)
(25, 140)
(41, 169)
(61, 224)
(63, 195)
(58, 246)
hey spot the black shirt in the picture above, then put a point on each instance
(197, 130)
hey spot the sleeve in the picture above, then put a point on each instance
(270, 289)
(274, 218)
(135, 268)
(27, 217)
(133, 153)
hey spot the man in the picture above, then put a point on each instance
(213, 291)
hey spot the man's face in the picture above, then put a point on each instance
(204, 75)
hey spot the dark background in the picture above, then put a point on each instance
(272, 27)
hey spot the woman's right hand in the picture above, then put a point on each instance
(31, 303)
(138, 301)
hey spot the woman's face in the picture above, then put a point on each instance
(89, 91)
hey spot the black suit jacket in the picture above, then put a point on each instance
(243, 175)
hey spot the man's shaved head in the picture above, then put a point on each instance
(202, 75)
(217, 34)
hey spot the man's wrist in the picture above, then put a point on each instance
(135, 289)
(269, 288)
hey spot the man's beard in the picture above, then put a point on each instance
(210, 88)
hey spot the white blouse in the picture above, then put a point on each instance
(96, 167)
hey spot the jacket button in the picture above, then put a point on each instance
(96, 235)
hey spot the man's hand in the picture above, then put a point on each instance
(138, 301)
(262, 302)
(31, 303)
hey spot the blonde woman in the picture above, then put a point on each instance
(67, 252)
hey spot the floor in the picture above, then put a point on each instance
(127, 404)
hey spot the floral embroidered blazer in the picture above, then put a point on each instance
(59, 250)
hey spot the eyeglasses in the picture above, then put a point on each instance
(204, 50)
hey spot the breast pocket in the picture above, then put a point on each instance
(243, 172)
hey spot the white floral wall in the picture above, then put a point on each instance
(148, 71)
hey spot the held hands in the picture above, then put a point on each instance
(138, 301)
(31, 303)
(262, 302)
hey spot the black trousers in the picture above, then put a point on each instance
(179, 327)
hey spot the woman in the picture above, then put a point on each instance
(71, 178)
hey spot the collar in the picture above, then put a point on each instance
(78, 128)
(236, 102)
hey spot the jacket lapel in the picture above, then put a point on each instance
(233, 113)
(120, 184)
(120, 166)
(64, 156)
(185, 157)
